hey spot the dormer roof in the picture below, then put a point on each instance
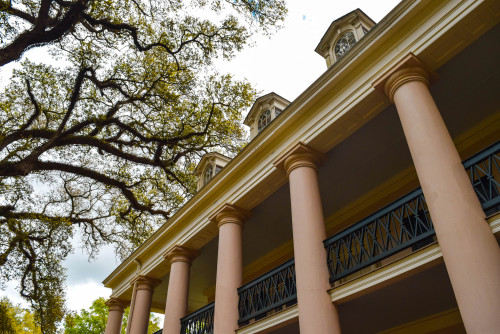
(269, 99)
(209, 157)
(209, 165)
(330, 35)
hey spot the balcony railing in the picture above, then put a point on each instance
(268, 292)
(406, 222)
(402, 224)
(388, 231)
(484, 172)
(199, 322)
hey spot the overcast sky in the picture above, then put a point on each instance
(285, 63)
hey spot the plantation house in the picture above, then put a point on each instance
(369, 204)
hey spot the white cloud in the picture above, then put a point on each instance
(80, 269)
(82, 295)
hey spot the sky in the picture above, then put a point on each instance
(285, 64)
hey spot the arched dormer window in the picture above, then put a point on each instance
(208, 174)
(264, 120)
(344, 44)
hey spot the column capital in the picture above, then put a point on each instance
(115, 304)
(230, 214)
(300, 155)
(145, 283)
(181, 254)
(407, 70)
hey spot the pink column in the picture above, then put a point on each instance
(140, 307)
(470, 250)
(180, 259)
(230, 221)
(116, 308)
(317, 313)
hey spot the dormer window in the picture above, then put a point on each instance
(208, 174)
(344, 44)
(264, 120)
(343, 34)
(210, 164)
(264, 110)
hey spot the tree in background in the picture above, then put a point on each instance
(9, 323)
(15, 320)
(99, 140)
(94, 320)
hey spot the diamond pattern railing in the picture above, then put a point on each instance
(406, 222)
(199, 322)
(396, 227)
(484, 172)
(402, 224)
(268, 292)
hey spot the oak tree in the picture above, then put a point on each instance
(109, 107)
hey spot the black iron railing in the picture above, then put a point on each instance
(199, 322)
(406, 222)
(268, 292)
(484, 172)
(388, 231)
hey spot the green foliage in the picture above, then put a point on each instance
(8, 320)
(93, 321)
(100, 141)
(15, 320)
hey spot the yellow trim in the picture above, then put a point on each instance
(468, 143)
(429, 324)
(481, 135)
(260, 266)
(271, 323)
(388, 274)
(268, 262)
(397, 270)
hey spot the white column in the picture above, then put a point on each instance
(470, 250)
(140, 308)
(180, 259)
(230, 221)
(115, 317)
(317, 313)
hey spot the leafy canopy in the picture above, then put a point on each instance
(101, 127)
(16, 320)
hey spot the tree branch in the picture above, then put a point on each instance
(6, 6)
(85, 172)
(39, 34)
